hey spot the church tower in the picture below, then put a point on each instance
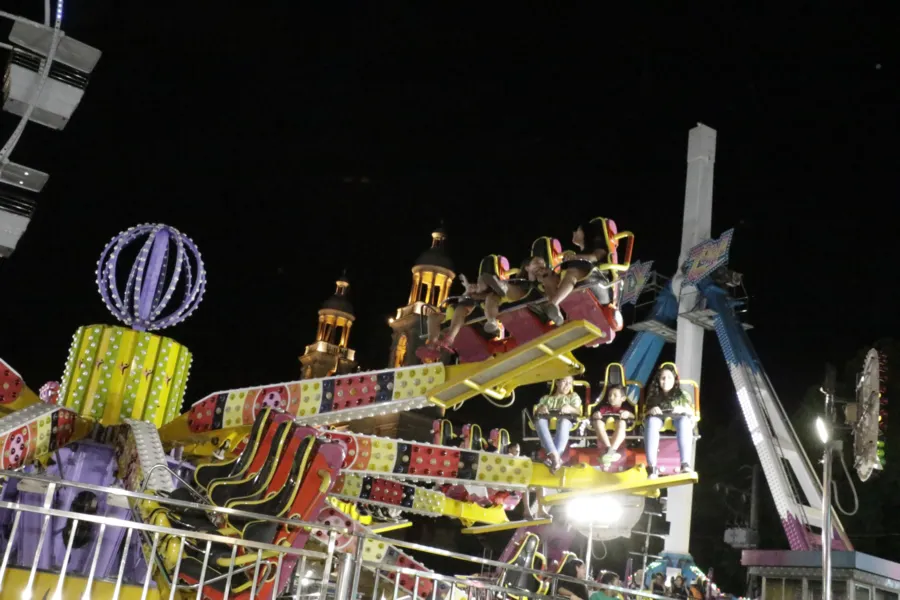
(432, 276)
(331, 354)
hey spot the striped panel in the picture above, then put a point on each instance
(399, 459)
(374, 390)
(115, 373)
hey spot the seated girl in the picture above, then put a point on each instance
(666, 399)
(612, 407)
(564, 404)
(590, 238)
(574, 568)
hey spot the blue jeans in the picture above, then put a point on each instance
(554, 446)
(684, 432)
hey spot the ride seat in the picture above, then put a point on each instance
(608, 272)
(499, 440)
(494, 264)
(560, 565)
(526, 556)
(615, 375)
(577, 419)
(237, 466)
(548, 248)
(313, 471)
(443, 432)
(472, 438)
(668, 426)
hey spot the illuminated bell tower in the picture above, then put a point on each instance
(330, 354)
(432, 276)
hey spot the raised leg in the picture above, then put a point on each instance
(491, 310)
(457, 321)
(435, 320)
(567, 284)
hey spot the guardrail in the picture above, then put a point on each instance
(299, 573)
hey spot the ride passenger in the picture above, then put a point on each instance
(608, 578)
(489, 288)
(591, 241)
(612, 407)
(575, 569)
(530, 277)
(564, 404)
(666, 399)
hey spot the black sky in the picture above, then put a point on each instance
(251, 130)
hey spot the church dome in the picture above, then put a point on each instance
(339, 301)
(436, 256)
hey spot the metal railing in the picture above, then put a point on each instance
(236, 568)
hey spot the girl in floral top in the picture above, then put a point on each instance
(667, 399)
(564, 404)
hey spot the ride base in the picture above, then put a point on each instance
(791, 574)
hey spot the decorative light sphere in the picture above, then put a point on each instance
(166, 258)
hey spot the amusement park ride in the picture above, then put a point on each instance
(109, 489)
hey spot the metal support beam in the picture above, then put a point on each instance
(696, 228)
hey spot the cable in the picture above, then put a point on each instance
(594, 551)
(837, 498)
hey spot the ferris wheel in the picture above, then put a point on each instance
(45, 78)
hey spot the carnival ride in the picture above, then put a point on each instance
(110, 489)
(46, 75)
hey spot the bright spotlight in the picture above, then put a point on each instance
(602, 510)
(822, 430)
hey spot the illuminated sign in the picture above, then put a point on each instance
(706, 257)
(635, 279)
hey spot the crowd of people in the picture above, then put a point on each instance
(665, 400)
(674, 587)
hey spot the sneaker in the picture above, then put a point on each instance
(613, 455)
(618, 321)
(686, 468)
(491, 327)
(554, 314)
(652, 473)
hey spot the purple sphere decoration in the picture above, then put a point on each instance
(149, 290)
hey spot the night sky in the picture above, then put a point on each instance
(291, 144)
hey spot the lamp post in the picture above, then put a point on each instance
(593, 510)
(825, 436)
(824, 429)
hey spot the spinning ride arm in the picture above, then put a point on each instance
(772, 434)
(226, 417)
(643, 352)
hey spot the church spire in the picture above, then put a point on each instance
(331, 353)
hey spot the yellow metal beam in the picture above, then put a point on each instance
(543, 359)
(633, 486)
(505, 526)
(382, 528)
